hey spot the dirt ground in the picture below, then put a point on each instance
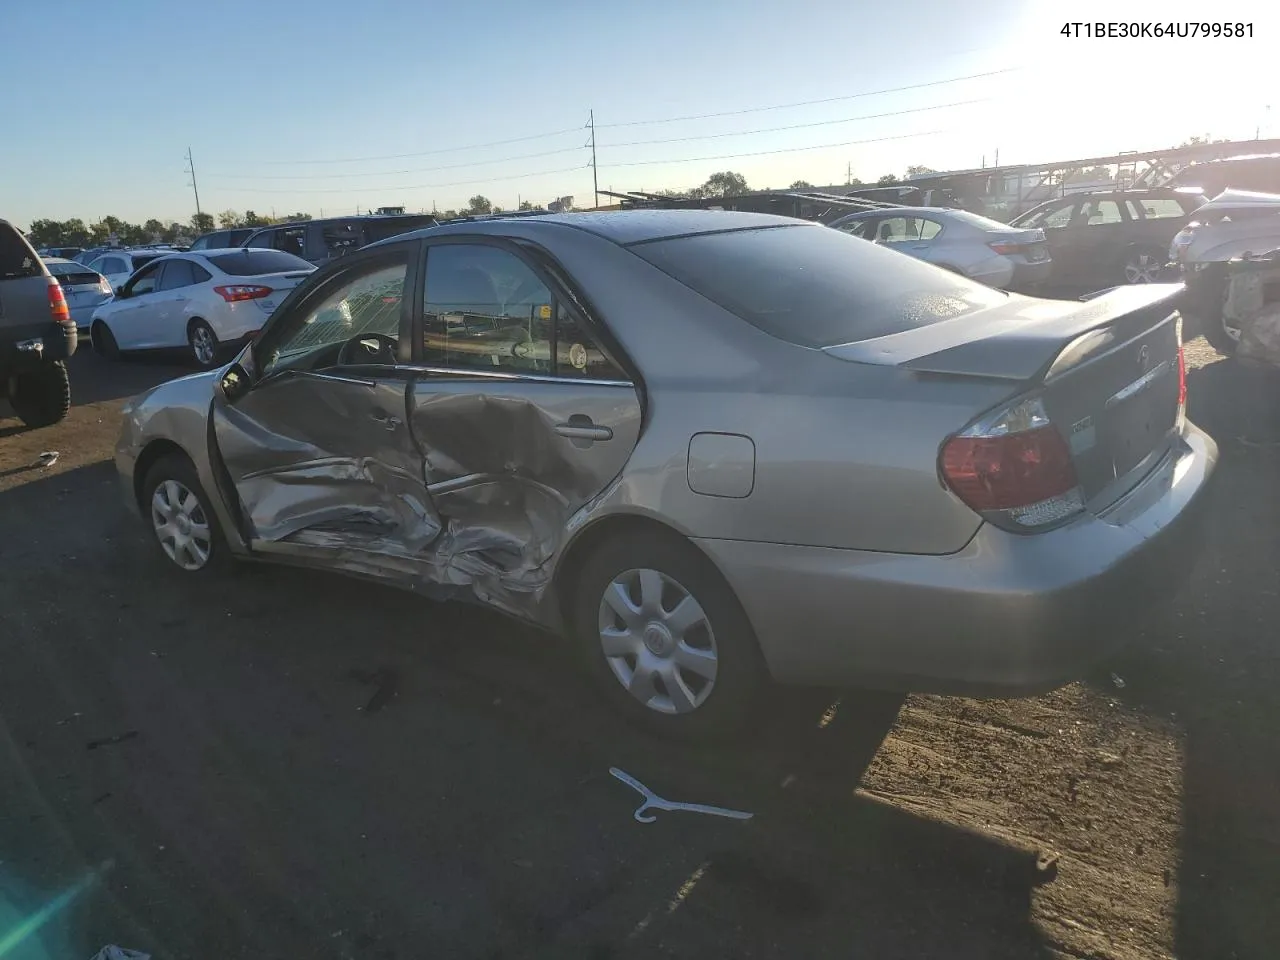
(290, 764)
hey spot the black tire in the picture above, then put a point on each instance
(104, 341)
(1202, 309)
(41, 395)
(205, 348)
(1143, 265)
(178, 468)
(740, 672)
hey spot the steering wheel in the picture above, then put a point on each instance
(369, 348)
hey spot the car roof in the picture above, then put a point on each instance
(623, 227)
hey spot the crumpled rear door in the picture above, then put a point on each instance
(508, 462)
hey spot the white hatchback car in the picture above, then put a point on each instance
(205, 301)
(118, 264)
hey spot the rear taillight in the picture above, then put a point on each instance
(104, 285)
(1014, 468)
(236, 292)
(1182, 389)
(58, 308)
(1005, 248)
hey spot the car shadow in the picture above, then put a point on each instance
(1210, 664)
(95, 379)
(295, 763)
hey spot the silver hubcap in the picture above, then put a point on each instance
(657, 640)
(203, 346)
(181, 525)
(1144, 268)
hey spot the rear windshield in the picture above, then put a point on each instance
(250, 263)
(72, 274)
(16, 258)
(814, 286)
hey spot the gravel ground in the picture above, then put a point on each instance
(291, 764)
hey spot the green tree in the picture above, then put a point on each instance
(802, 185)
(45, 233)
(252, 219)
(887, 180)
(74, 232)
(202, 223)
(295, 217)
(228, 219)
(171, 233)
(479, 204)
(154, 228)
(448, 215)
(133, 234)
(917, 169)
(724, 184)
(526, 205)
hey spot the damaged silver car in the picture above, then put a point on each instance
(716, 449)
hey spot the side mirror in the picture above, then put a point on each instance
(120, 291)
(234, 383)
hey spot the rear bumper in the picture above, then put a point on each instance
(57, 342)
(1029, 274)
(1008, 615)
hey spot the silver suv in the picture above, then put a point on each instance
(36, 333)
(1232, 225)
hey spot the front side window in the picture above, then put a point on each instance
(363, 301)
(1156, 208)
(485, 309)
(264, 240)
(855, 228)
(144, 281)
(1057, 217)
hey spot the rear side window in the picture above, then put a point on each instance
(249, 263)
(142, 259)
(815, 286)
(16, 258)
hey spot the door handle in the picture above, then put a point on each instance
(584, 430)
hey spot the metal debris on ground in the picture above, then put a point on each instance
(112, 952)
(1118, 681)
(47, 459)
(654, 802)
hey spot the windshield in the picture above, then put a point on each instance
(814, 286)
(251, 262)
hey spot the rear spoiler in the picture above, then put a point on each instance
(1018, 340)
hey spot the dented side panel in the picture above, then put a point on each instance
(508, 462)
(331, 456)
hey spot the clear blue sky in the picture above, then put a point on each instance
(103, 99)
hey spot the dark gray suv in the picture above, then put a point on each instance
(323, 240)
(36, 333)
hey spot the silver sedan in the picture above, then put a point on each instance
(985, 250)
(713, 448)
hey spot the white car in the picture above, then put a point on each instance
(84, 289)
(120, 264)
(205, 301)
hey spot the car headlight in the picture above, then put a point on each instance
(1181, 240)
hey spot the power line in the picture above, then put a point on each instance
(386, 173)
(418, 186)
(800, 126)
(809, 103)
(763, 153)
(423, 153)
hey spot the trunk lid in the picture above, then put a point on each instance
(280, 283)
(1106, 369)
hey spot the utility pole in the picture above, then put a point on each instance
(848, 174)
(191, 168)
(595, 180)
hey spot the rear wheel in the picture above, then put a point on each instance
(41, 395)
(204, 344)
(1143, 265)
(665, 638)
(104, 341)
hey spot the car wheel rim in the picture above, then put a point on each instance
(181, 525)
(1142, 269)
(657, 641)
(1231, 329)
(202, 344)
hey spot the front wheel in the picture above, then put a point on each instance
(41, 395)
(204, 344)
(181, 514)
(665, 637)
(104, 341)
